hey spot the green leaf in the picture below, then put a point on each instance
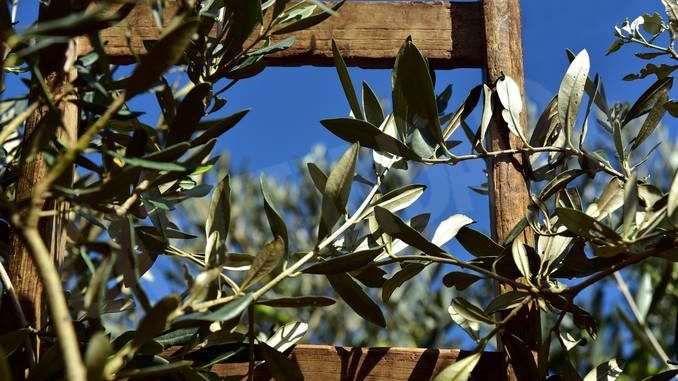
(559, 182)
(273, 48)
(96, 355)
(651, 121)
(215, 128)
(178, 336)
(449, 228)
(396, 199)
(610, 200)
(266, 260)
(512, 101)
(592, 97)
(190, 111)
(520, 258)
(408, 271)
(344, 263)
(275, 221)
(648, 100)
(219, 214)
(155, 371)
(373, 111)
(287, 336)
(630, 205)
(547, 122)
(296, 302)
(280, 367)
(583, 225)
(318, 176)
(464, 110)
(414, 101)
(460, 280)
(346, 82)
(397, 228)
(470, 311)
(358, 131)
(618, 140)
(477, 243)
(599, 98)
(486, 117)
(156, 319)
(356, 298)
(460, 370)
(607, 371)
(337, 190)
(505, 301)
(161, 56)
(229, 311)
(571, 92)
(308, 21)
(148, 164)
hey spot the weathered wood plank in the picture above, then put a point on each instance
(329, 363)
(369, 34)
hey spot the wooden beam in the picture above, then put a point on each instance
(509, 186)
(329, 363)
(369, 34)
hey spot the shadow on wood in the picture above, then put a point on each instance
(329, 363)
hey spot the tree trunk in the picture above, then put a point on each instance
(23, 273)
(509, 187)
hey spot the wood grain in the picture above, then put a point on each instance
(369, 34)
(329, 363)
(509, 187)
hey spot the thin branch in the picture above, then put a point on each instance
(624, 288)
(61, 318)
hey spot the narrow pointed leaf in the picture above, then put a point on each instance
(356, 298)
(460, 370)
(358, 131)
(161, 56)
(346, 82)
(648, 99)
(344, 263)
(397, 228)
(512, 101)
(337, 189)
(279, 365)
(477, 243)
(630, 205)
(448, 228)
(571, 92)
(275, 221)
(409, 271)
(373, 111)
(396, 199)
(190, 111)
(266, 260)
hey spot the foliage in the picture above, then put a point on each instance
(135, 182)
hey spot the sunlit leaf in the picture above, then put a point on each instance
(512, 101)
(460, 370)
(571, 92)
(266, 260)
(607, 371)
(449, 227)
(346, 82)
(396, 199)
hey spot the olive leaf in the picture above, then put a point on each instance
(448, 228)
(346, 82)
(337, 189)
(571, 92)
(512, 102)
(396, 199)
(373, 110)
(161, 56)
(460, 370)
(275, 221)
(397, 228)
(344, 263)
(358, 131)
(266, 260)
(356, 298)
(408, 271)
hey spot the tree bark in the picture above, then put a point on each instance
(509, 187)
(23, 273)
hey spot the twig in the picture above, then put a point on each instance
(61, 318)
(9, 288)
